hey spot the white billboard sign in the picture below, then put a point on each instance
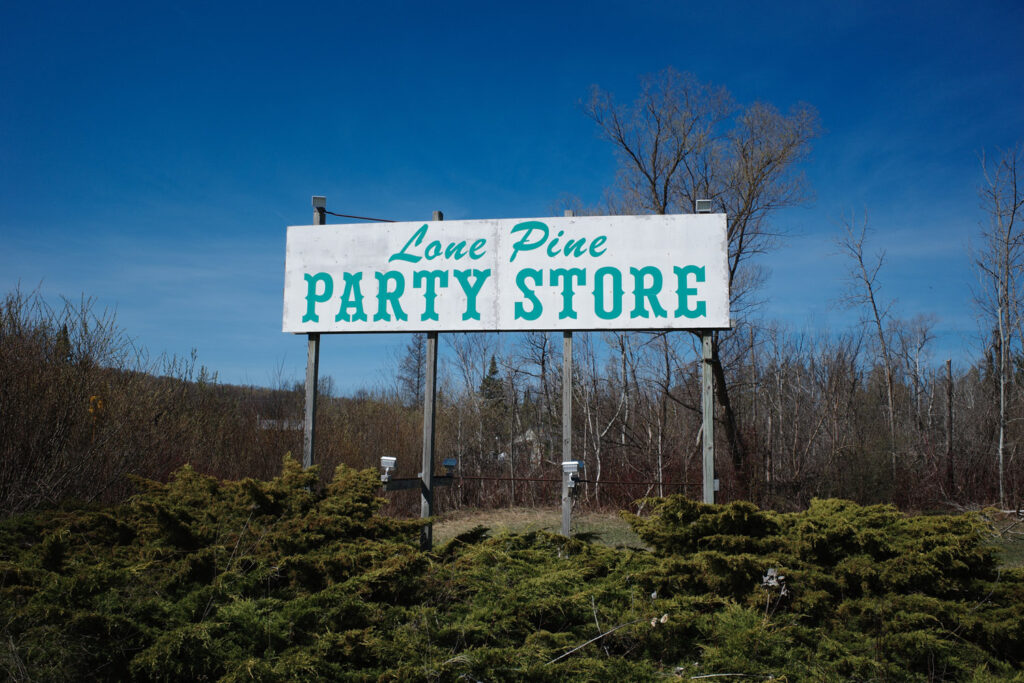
(565, 273)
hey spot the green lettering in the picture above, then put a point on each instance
(432, 278)
(432, 251)
(386, 294)
(352, 297)
(414, 241)
(641, 292)
(312, 298)
(477, 250)
(576, 247)
(700, 307)
(524, 243)
(553, 245)
(455, 250)
(567, 275)
(616, 291)
(471, 290)
(535, 306)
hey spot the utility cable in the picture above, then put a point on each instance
(359, 218)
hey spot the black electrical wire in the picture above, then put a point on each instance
(359, 218)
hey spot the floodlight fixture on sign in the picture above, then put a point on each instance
(571, 470)
(703, 206)
(319, 202)
(387, 464)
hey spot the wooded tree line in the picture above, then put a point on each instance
(83, 410)
(812, 411)
(869, 413)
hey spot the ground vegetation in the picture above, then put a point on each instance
(207, 579)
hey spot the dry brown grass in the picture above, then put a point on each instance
(607, 527)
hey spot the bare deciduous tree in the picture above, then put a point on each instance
(682, 140)
(864, 291)
(410, 375)
(1001, 273)
(913, 337)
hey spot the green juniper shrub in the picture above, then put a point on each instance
(281, 580)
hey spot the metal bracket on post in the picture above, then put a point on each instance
(707, 391)
(387, 466)
(427, 481)
(571, 471)
(312, 363)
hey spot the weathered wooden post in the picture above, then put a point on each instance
(312, 363)
(429, 398)
(566, 422)
(950, 480)
(566, 430)
(707, 393)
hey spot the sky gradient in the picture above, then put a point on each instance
(151, 157)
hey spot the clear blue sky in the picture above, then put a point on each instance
(152, 155)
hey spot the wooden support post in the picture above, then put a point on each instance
(566, 428)
(707, 392)
(950, 480)
(312, 364)
(566, 423)
(312, 372)
(429, 398)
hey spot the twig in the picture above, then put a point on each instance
(18, 662)
(995, 584)
(238, 541)
(999, 575)
(231, 559)
(580, 647)
(593, 606)
(1007, 529)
